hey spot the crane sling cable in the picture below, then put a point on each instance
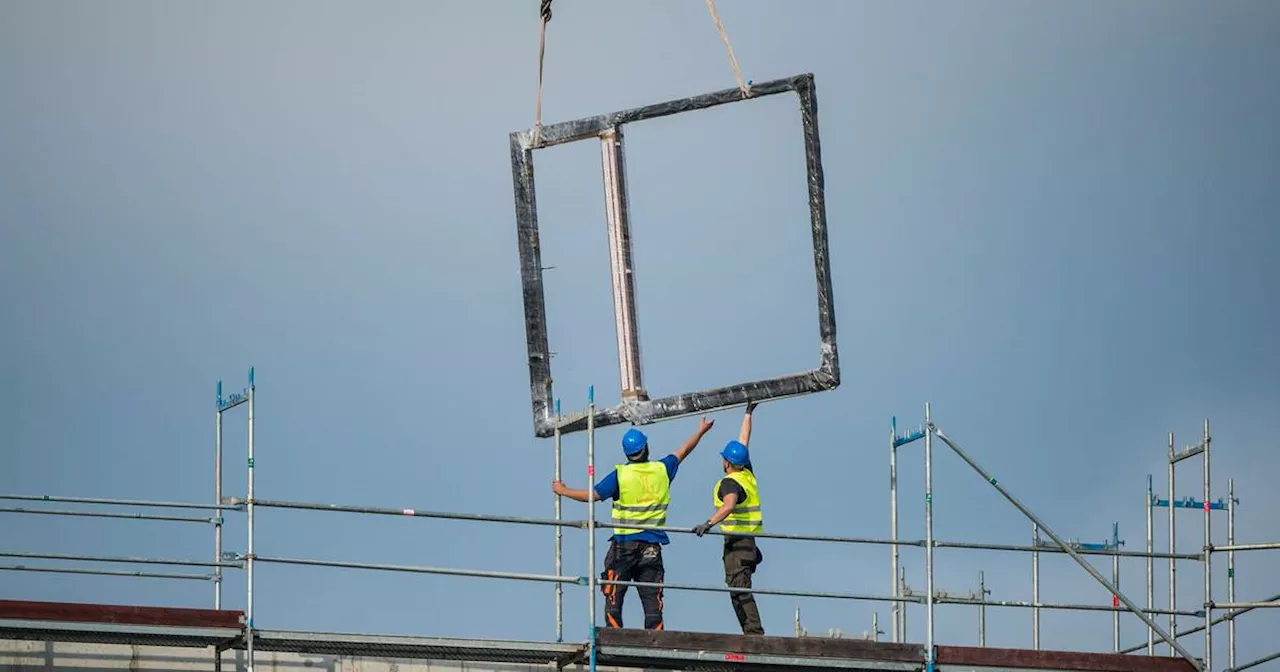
(733, 60)
(545, 15)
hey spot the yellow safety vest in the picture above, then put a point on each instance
(644, 492)
(746, 515)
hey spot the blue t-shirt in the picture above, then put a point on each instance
(607, 488)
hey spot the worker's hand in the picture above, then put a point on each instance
(703, 528)
(751, 406)
(705, 425)
(558, 488)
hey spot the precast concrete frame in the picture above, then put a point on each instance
(636, 407)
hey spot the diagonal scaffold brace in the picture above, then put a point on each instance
(1066, 547)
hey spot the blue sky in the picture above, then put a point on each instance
(1054, 222)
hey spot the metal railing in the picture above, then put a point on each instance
(898, 596)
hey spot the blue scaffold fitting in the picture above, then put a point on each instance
(219, 394)
(251, 377)
(557, 406)
(591, 394)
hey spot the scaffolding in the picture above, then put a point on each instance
(251, 637)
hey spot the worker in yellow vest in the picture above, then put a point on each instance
(737, 502)
(641, 493)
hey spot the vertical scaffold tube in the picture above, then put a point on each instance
(1208, 561)
(1115, 579)
(217, 499)
(617, 214)
(894, 607)
(591, 519)
(559, 537)
(1173, 563)
(982, 609)
(1151, 586)
(928, 533)
(1035, 587)
(248, 610)
(1231, 570)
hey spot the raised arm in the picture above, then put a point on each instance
(744, 436)
(704, 426)
(730, 501)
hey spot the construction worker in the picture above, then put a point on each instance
(641, 493)
(737, 503)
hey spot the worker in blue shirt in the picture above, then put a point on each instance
(641, 493)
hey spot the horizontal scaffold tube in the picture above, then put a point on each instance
(761, 591)
(1247, 547)
(1050, 605)
(1200, 628)
(108, 514)
(107, 558)
(106, 572)
(407, 513)
(582, 525)
(1246, 605)
(1055, 549)
(116, 502)
(545, 578)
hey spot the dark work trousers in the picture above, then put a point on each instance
(639, 561)
(741, 557)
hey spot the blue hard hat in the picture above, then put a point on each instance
(736, 454)
(634, 441)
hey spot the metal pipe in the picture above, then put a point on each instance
(559, 537)
(1231, 569)
(1035, 587)
(618, 218)
(1075, 556)
(1045, 549)
(761, 591)
(1065, 606)
(105, 572)
(902, 608)
(248, 612)
(109, 514)
(982, 609)
(1254, 663)
(107, 558)
(413, 569)
(875, 625)
(1249, 547)
(1229, 617)
(582, 524)
(1208, 559)
(928, 533)
(1247, 605)
(1115, 578)
(414, 513)
(1151, 586)
(1173, 564)
(116, 502)
(591, 520)
(893, 524)
(217, 498)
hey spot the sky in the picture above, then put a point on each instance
(1053, 222)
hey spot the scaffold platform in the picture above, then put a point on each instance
(224, 630)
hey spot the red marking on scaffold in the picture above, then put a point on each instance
(408, 512)
(1115, 601)
(591, 470)
(735, 657)
(1206, 505)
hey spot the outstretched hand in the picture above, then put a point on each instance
(558, 488)
(751, 406)
(703, 528)
(705, 425)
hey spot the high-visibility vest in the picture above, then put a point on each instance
(644, 492)
(746, 515)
